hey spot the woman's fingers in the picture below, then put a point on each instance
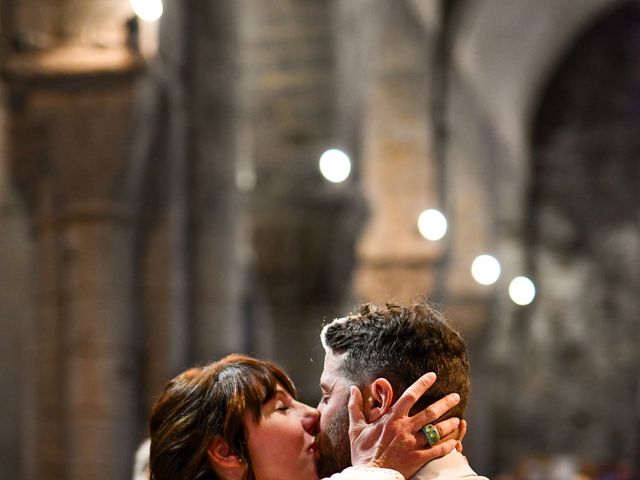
(435, 410)
(437, 451)
(395, 439)
(412, 394)
(356, 416)
(459, 435)
(462, 430)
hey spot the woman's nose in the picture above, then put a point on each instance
(311, 420)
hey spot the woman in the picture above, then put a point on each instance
(238, 419)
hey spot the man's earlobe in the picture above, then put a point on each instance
(221, 455)
(381, 399)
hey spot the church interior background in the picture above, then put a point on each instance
(161, 205)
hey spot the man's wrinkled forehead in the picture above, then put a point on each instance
(332, 372)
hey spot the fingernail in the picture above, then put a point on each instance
(431, 376)
(456, 397)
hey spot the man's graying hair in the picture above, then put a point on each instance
(402, 343)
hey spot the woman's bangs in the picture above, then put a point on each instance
(260, 387)
(250, 383)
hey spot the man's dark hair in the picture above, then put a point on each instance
(402, 343)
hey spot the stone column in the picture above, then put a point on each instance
(214, 208)
(303, 228)
(16, 313)
(399, 171)
(70, 117)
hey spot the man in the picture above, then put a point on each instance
(382, 350)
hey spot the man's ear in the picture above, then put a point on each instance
(378, 399)
(222, 457)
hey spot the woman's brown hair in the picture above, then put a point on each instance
(203, 402)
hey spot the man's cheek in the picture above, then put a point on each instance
(325, 418)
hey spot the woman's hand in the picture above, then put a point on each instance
(395, 440)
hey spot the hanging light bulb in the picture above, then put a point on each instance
(147, 10)
(335, 165)
(432, 224)
(485, 269)
(522, 290)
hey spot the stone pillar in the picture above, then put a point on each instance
(100, 366)
(399, 172)
(70, 118)
(214, 227)
(303, 228)
(16, 313)
(162, 253)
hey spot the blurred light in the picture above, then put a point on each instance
(432, 224)
(485, 269)
(147, 10)
(335, 165)
(522, 290)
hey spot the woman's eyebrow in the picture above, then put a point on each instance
(279, 394)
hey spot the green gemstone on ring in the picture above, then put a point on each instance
(432, 434)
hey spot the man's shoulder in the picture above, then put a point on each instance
(453, 466)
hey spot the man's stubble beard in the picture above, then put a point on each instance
(333, 445)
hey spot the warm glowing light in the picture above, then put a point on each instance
(485, 269)
(335, 165)
(147, 10)
(432, 224)
(522, 290)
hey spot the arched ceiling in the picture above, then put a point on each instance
(506, 49)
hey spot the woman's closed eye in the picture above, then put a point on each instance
(281, 406)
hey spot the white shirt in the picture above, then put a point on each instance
(452, 466)
(367, 473)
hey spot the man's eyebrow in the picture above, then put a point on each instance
(324, 386)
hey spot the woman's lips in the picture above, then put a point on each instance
(313, 448)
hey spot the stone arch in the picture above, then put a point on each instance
(507, 75)
(497, 83)
(495, 87)
(583, 241)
